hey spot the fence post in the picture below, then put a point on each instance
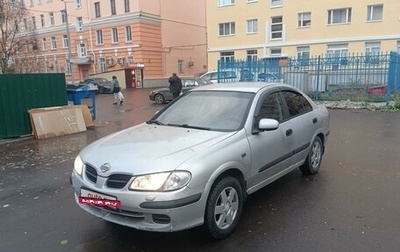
(318, 76)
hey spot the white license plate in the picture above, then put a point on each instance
(95, 195)
(98, 199)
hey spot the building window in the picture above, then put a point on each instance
(339, 16)
(227, 56)
(78, 4)
(303, 52)
(128, 34)
(51, 15)
(82, 50)
(225, 2)
(42, 20)
(180, 66)
(53, 43)
(114, 35)
(63, 17)
(79, 24)
(65, 41)
(34, 22)
(25, 24)
(276, 51)
(304, 19)
(276, 3)
(56, 66)
(251, 55)
(252, 26)
(372, 50)
(226, 29)
(113, 7)
(102, 65)
(68, 67)
(127, 6)
(276, 27)
(44, 45)
(339, 50)
(97, 9)
(375, 12)
(30, 3)
(99, 37)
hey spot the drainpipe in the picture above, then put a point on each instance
(89, 3)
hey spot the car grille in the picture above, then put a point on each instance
(116, 181)
(91, 173)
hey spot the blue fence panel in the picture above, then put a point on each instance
(354, 76)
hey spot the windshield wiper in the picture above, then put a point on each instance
(155, 121)
(189, 126)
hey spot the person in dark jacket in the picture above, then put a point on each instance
(175, 85)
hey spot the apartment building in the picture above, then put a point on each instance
(252, 29)
(98, 36)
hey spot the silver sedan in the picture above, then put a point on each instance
(196, 160)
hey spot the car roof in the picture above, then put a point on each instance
(252, 87)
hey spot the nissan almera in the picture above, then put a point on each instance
(195, 161)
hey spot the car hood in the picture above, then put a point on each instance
(149, 148)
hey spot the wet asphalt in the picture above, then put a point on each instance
(353, 204)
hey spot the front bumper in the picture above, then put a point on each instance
(149, 211)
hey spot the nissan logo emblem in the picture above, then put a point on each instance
(105, 167)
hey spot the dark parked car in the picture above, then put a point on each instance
(162, 95)
(103, 85)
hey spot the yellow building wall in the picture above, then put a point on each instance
(318, 36)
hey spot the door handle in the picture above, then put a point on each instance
(314, 120)
(289, 132)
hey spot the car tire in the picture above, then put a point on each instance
(159, 99)
(224, 208)
(314, 158)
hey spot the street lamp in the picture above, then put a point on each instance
(69, 41)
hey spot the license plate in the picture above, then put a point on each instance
(98, 199)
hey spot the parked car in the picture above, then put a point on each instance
(222, 76)
(268, 77)
(198, 158)
(103, 85)
(163, 95)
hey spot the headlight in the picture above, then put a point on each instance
(78, 165)
(166, 181)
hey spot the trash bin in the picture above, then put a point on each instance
(76, 93)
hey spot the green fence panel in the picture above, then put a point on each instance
(21, 92)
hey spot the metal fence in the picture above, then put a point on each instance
(21, 92)
(354, 77)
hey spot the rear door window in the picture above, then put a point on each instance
(296, 103)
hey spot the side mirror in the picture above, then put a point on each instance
(268, 124)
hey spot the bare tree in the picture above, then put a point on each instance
(18, 38)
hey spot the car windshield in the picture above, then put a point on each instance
(207, 110)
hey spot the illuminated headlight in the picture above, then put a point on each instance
(166, 181)
(78, 165)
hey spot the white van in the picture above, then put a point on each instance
(225, 76)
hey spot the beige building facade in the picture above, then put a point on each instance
(158, 37)
(253, 29)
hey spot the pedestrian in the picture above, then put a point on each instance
(175, 85)
(118, 96)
